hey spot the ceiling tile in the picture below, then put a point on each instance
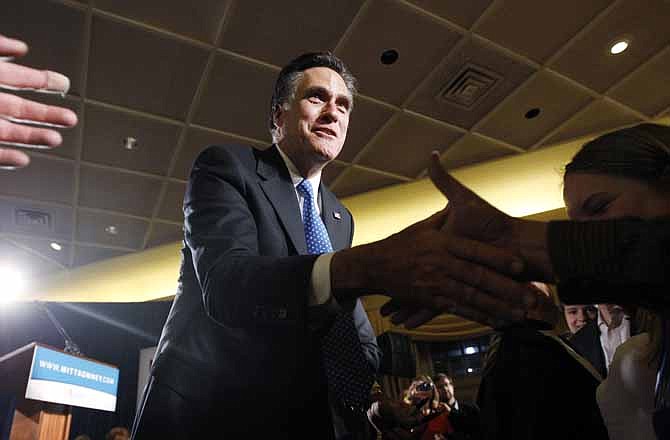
(647, 89)
(300, 23)
(366, 119)
(471, 69)
(54, 33)
(357, 180)
(90, 254)
(162, 233)
(35, 219)
(143, 70)
(117, 191)
(457, 11)
(331, 172)
(45, 179)
(129, 231)
(236, 98)
(537, 29)
(106, 131)
(43, 248)
(173, 201)
(404, 30)
(199, 21)
(404, 146)
(598, 117)
(556, 99)
(587, 59)
(30, 266)
(472, 149)
(197, 140)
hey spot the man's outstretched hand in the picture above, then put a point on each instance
(472, 217)
(23, 122)
(427, 271)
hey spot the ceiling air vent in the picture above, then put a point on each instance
(35, 220)
(470, 85)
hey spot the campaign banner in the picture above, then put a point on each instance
(71, 380)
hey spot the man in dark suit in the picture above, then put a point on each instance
(463, 417)
(598, 340)
(245, 350)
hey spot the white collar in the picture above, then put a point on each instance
(601, 322)
(296, 177)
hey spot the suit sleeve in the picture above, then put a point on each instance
(240, 288)
(366, 333)
(367, 337)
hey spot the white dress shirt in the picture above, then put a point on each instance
(610, 339)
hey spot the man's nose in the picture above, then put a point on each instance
(329, 111)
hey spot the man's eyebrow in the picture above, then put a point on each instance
(323, 90)
(317, 89)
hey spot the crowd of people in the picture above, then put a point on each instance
(427, 410)
(268, 308)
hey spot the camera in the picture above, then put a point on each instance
(424, 386)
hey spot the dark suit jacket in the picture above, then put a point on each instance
(532, 388)
(587, 343)
(240, 342)
(466, 422)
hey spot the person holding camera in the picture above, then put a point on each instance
(463, 417)
(418, 415)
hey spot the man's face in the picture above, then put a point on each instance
(446, 389)
(576, 316)
(314, 128)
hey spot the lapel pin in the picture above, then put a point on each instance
(337, 215)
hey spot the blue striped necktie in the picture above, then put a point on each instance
(348, 372)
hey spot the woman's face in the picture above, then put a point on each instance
(599, 196)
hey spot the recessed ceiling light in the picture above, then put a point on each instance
(532, 113)
(389, 56)
(111, 230)
(55, 246)
(130, 143)
(619, 46)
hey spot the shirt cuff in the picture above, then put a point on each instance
(321, 291)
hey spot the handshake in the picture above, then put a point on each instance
(469, 259)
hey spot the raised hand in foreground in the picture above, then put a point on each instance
(23, 122)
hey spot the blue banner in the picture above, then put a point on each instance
(55, 366)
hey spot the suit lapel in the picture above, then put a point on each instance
(279, 190)
(336, 219)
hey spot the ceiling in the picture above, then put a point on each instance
(177, 76)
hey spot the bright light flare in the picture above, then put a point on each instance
(470, 350)
(13, 283)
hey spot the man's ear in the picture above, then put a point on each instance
(278, 123)
(278, 116)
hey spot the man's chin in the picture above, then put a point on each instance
(326, 153)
